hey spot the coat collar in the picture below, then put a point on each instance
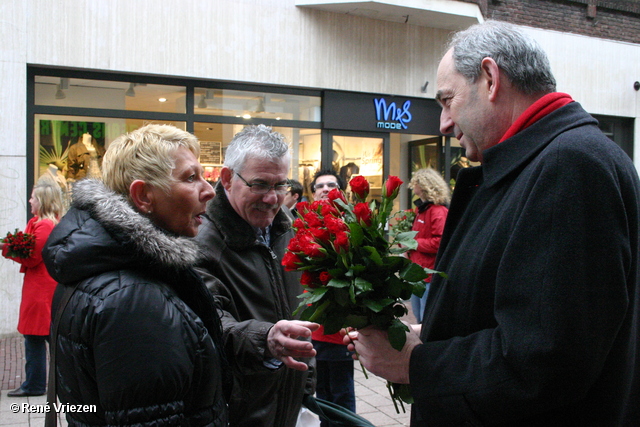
(236, 232)
(511, 154)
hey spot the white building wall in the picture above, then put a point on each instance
(255, 41)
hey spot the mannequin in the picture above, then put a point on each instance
(85, 158)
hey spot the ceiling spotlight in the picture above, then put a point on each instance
(203, 102)
(60, 93)
(130, 91)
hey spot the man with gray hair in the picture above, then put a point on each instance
(244, 238)
(538, 320)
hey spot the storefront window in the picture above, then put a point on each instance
(106, 94)
(354, 156)
(215, 137)
(70, 148)
(261, 105)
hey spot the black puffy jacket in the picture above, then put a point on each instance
(139, 337)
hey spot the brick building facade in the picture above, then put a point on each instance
(612, 19)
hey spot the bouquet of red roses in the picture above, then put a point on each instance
(19, 244)
(402, 222)
(350, 273)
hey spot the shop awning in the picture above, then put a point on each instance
(444, 14)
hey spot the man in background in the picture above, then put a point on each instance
(244, 236)
(293, 196)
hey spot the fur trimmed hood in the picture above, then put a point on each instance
(103, 232)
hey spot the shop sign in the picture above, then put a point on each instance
(390, 116)
(355, 111)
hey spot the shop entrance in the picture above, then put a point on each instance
(358, 153)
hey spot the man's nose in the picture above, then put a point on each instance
(446, 123)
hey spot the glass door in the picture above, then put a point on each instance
(359, 154)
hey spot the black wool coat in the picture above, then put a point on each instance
(538, 321)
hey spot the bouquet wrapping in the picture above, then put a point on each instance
(351, 272)
(19, 244)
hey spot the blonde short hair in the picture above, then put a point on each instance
(50, 199)
(145, 154)
(432, 184)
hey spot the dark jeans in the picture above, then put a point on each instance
(35, 352)
(335, 377)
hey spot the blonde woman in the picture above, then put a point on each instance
(140, 336)
(431, 214)
(37, 290)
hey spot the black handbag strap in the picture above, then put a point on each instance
(51, 417)
(333, 413)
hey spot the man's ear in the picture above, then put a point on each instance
(491, 75)
(225, 176)
(141, 196)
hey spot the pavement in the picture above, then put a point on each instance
(373, 401)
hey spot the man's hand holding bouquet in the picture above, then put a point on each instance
(351, 273)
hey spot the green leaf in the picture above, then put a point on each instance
(341, 296)
(397, 334)
(357, 234)
(338, 283)
(407, 239)
(373, 254)
(315, 295)
(363, 285)
(356, 321)
(377, 306)
(333, 324)
(413, 273)
(394, 286)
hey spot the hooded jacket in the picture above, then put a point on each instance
(139, 336)
(255, 292)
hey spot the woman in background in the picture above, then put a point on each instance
(140, 337)
(37, 289)
(431, 214)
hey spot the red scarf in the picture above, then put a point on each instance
(536, 111)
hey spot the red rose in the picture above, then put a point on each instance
(291, 261)
(328, 209)
(390, 188)
(309, 279)
(298, 224)
(335, 225)
(302, 207)
(313, 220)
(363, 213)
(324, 277)
(341, 242)
(336, 194)
(321, 234)
(360, 186)
(309, 246)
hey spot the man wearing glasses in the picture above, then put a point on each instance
(244, 236)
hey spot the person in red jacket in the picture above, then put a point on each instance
(37, 289)
(431, 214)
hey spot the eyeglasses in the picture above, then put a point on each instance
(258, 188)
(330, 185)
